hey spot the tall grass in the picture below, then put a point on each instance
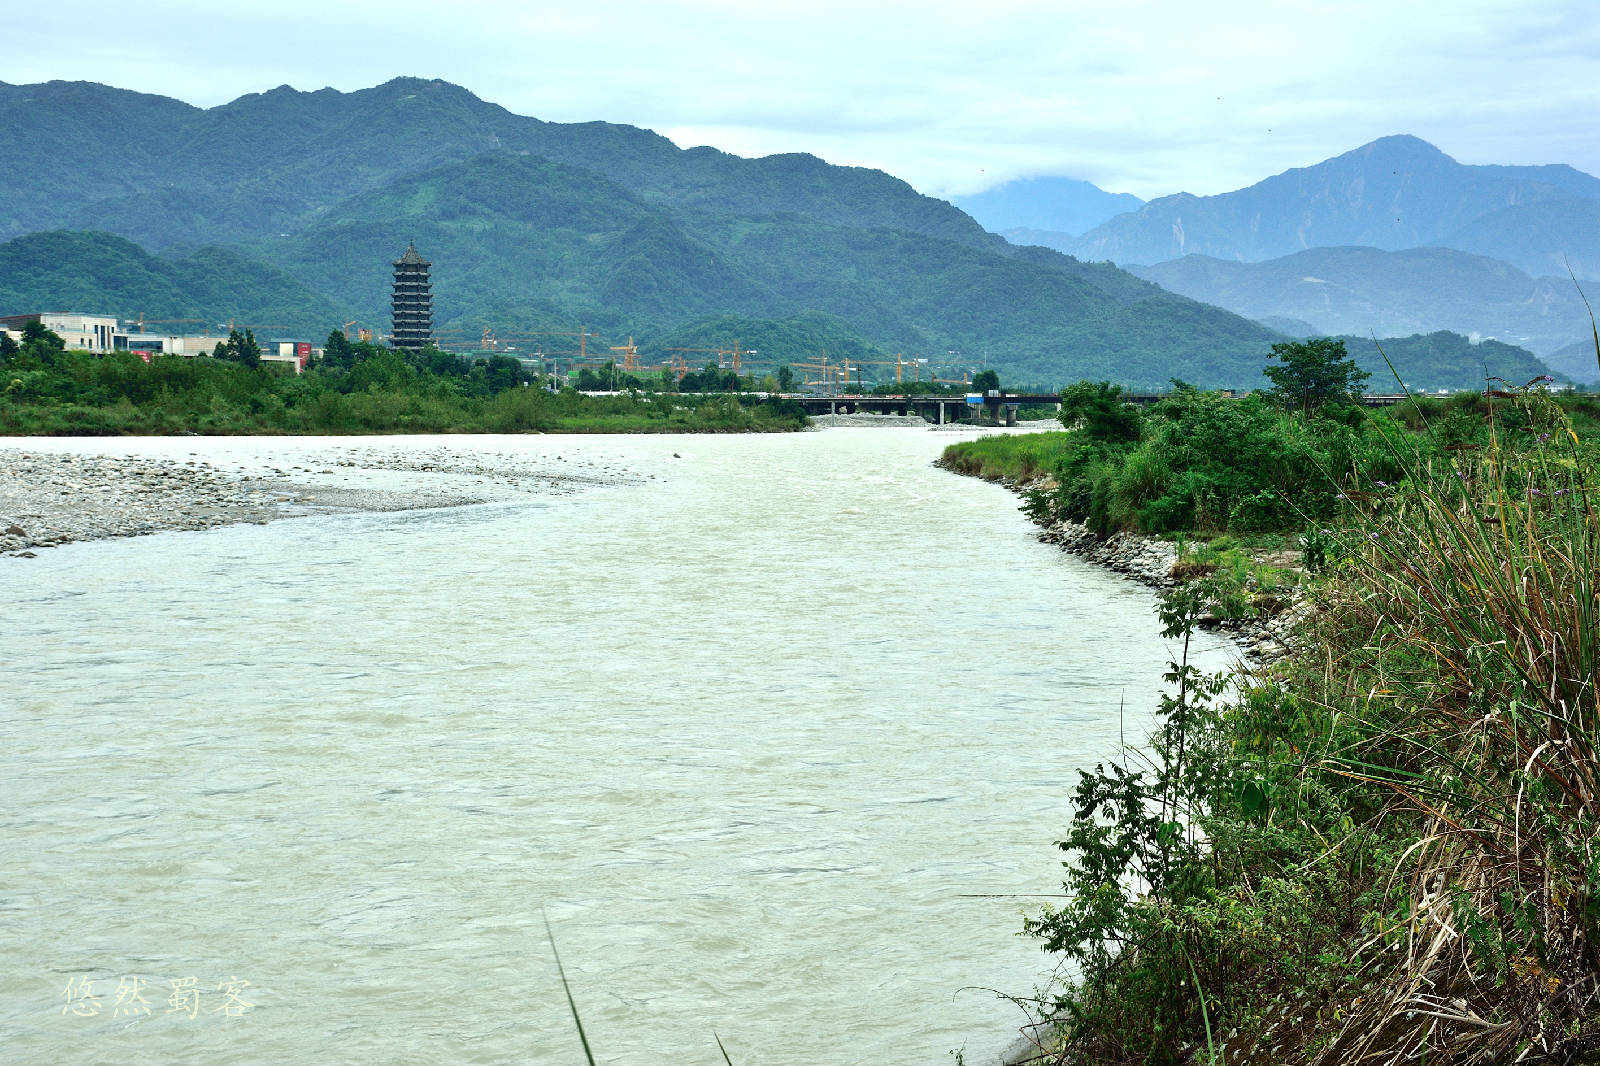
(1469, 626)
(1390, 847)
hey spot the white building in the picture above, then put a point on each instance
(90, 333)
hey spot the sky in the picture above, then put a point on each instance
(1150, 98)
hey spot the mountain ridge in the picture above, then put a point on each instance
(1367, 291)
(1392, 193)
(534, 226)
(1056, 205)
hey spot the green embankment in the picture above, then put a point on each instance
(44, 391)
(1382, 849)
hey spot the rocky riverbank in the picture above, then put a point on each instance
(51, 497)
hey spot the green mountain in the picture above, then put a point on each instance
(186, 180)
(1368, 292)
(99, 273)
(1441, 360)
(521, 244)
(1397, 192)
(289, 206)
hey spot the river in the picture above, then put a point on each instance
(775, 732)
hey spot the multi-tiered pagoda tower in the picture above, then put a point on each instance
(412, 303)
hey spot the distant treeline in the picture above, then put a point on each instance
(355, 388)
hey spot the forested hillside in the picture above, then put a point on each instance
(1442, 360)
(287, 207)
(536, 226)
(275, 162)
(96, 272)
(1370, 292)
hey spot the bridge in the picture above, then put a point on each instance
(997, 408)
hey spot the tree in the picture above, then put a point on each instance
(240, 348)
(336, 352)
(1100, 412)
(503, 372)
(40, 342)
(785, 379)
(8, 346)
(985, 380)
(1314, 373)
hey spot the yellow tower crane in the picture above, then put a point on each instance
(736, 352)
(161, 321)
(630, 355)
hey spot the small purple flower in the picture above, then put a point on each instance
(1543, 437)
(1341, 496)
(1535, 492)
(1381, 484)
(1326, 532)
(1460, 475)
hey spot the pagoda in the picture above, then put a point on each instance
(412, 303)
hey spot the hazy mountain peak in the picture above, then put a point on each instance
(1395, 192)
(1047, 204)
(1402, 146)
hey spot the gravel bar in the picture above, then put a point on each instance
(54, 497)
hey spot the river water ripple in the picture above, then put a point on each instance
(749, 728)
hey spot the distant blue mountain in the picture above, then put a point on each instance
(1050, 206)
(1397, 192)
(1369, 292)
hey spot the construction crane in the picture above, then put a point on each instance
(162, 321)
(831, 376)
(900, 364)
(736, 352)
(583, 336)
(630, 355)
(347, 326)
(232, 325)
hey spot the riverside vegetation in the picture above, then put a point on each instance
(1383, 848)
(355, 388)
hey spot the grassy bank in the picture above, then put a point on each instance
(48, 393)
(1385, 850)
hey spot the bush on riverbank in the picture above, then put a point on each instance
(1389, 850)
(1204, 464)
(51, 393)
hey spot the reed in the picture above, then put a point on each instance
(1465, 654)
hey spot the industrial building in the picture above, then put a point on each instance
(91, 333)
(103, 333)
